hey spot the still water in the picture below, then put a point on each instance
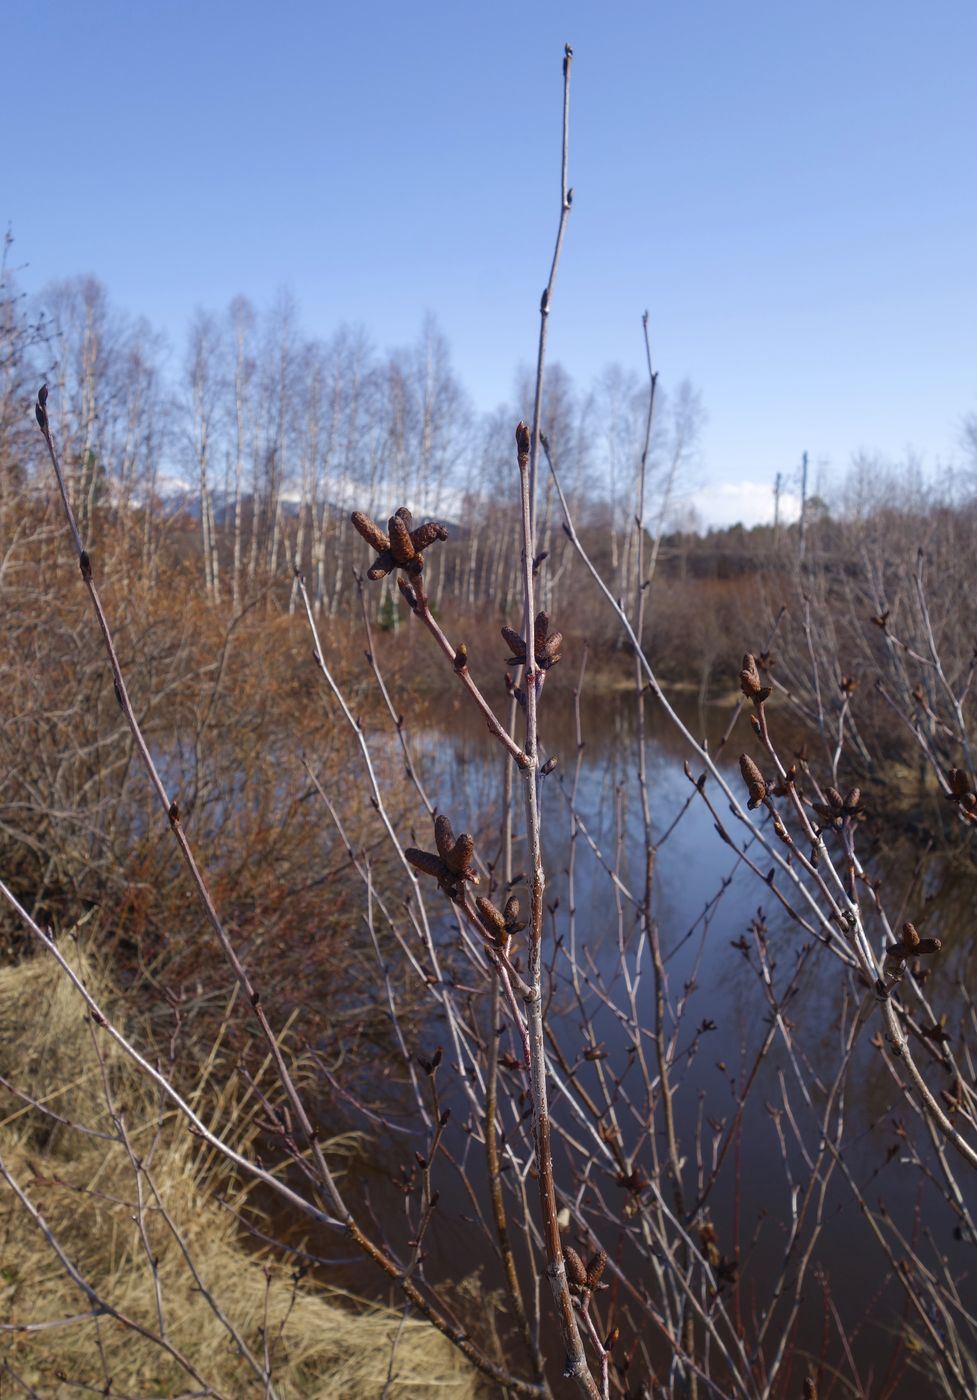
(706, 903)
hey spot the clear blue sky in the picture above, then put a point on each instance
(789, 189)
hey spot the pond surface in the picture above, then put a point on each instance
(707, 904)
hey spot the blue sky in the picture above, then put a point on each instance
(789, 189)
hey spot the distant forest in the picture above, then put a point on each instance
(242, 454)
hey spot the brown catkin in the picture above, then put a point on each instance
(491, 916)
(426, 861)
(753, 779)
(401, 545)
(750, 677)
(426, 535)
(370, 531)
(384, 564)
(540, 628)
(444, 836)
(515, 642)
(459, 858)
(576, 1272)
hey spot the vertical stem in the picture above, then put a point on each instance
(566, 199)
(527, 446)
(576, 1363)
(647, 916)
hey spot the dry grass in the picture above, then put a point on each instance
(320, 1345)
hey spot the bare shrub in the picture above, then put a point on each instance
(550, 1086)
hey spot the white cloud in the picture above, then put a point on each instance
(744, 502)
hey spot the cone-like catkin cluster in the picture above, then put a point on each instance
(960, 791)
(546, 644)
(397, 547)
(837, 808)
(500, 924)
(580, 1278)
(910, 946)
(452, 866)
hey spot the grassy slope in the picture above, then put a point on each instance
(85, 1187)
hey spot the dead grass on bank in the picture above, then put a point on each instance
(320, 1343)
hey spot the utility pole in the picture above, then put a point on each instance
(776, 508)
